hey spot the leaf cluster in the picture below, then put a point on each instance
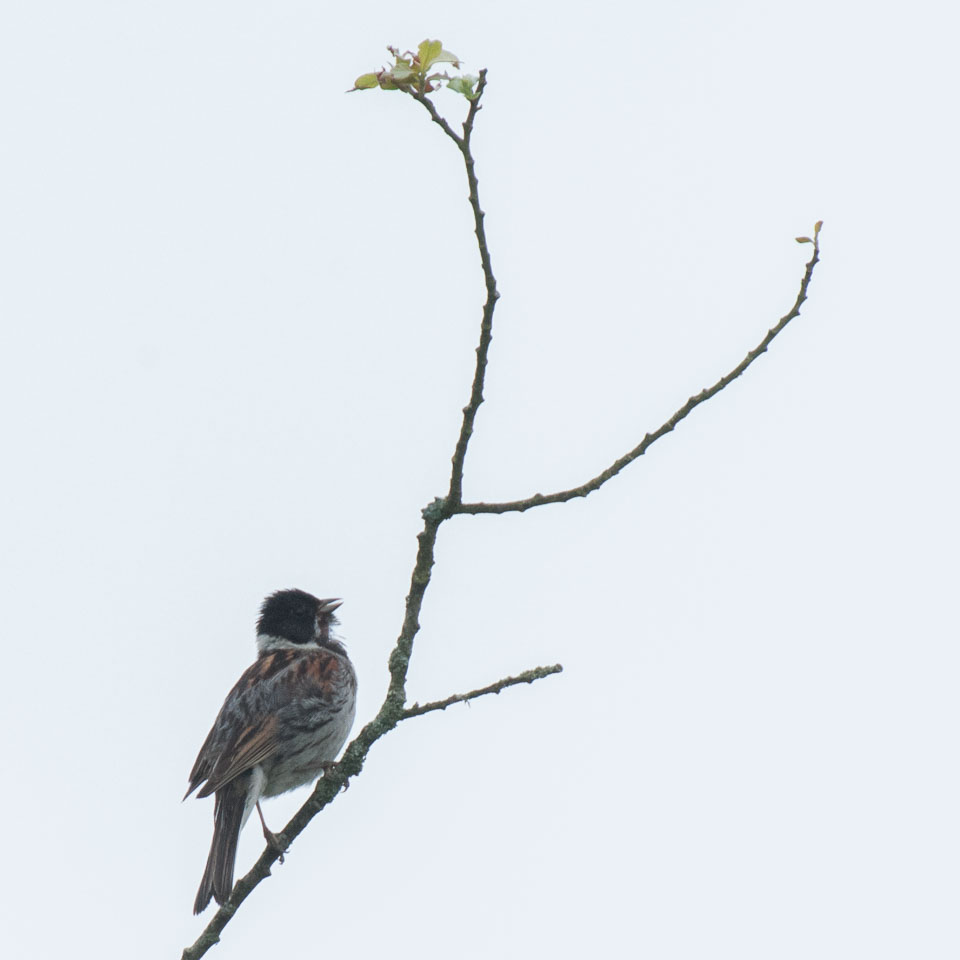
(410, 72)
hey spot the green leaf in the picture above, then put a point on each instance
(431, 51)
(447, 57)
(464, 85)
(400, 73)
(427, 53)
(366, 82)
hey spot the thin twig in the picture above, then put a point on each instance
(539, 499)
(439, 120)
(455, 493)
(528, 676)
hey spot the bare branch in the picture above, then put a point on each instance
(539, 499)
(528, 676)
(455, 493)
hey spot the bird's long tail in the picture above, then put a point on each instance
(217, 879)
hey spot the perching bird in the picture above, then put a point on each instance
(280, 726)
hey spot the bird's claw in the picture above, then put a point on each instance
(276, 842)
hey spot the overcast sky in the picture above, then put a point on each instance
(239, 313)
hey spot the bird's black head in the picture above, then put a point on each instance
(296, 616)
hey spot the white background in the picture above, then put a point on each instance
(239, 310)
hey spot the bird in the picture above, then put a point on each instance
(283, 724)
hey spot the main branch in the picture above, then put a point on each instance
(393, 710)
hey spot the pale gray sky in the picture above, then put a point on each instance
(239, 315)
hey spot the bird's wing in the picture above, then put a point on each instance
(253, 744)
(244, 733)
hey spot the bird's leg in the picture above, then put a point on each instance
(274, 840)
